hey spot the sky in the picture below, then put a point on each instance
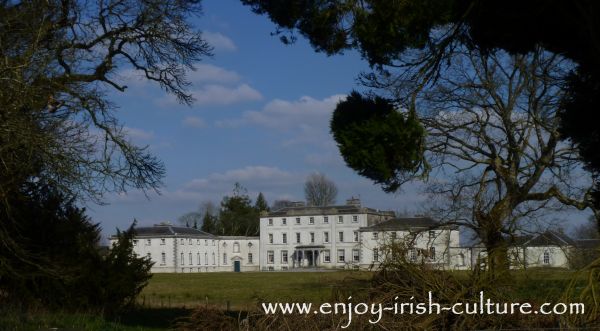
(261, 118)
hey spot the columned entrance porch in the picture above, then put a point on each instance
(307, 256)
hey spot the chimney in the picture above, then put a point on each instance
(353, 202)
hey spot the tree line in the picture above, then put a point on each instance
(238, 216)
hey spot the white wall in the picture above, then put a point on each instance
(276, 226)
(418, 248)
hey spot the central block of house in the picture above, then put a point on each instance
(315, 237)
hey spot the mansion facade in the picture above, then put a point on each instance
(181, 249)
(346, 236)
(351, 237)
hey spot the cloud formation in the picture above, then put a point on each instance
(249, 176)
(219, 41)
(138, 134)
(193, 122)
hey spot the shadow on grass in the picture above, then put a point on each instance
(163, 318)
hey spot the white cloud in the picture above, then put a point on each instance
(219, 41)
(306, 119)
(138, 134)
(285, 115)
(208, 73)
(217, 95)
(193, 122)
(250, 176)
(223, 95)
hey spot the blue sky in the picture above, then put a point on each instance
(261, 119)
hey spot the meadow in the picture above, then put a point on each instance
(244, 291)
(170, 296)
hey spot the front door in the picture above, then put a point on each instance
(236, 266)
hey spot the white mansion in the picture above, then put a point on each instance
(334, 237)
(182, 249)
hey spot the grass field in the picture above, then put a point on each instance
(243, 290)
(169, 296)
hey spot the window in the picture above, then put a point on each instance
(413, 255)
(148, 242)
(163, 258)
(312, 237)
(224, 258)
(354, 218)
(297, 220)
(341, 236)
(250, 258)
(432, 253)
(283, 221)
(375, 235)
(311, 220)
(394, 235)
(198, 242)
(431, 234)
(163, 241)
(270, 238)
(270, 222)
(355, 255)
(355, 236)
(375, 255)
(182, 261)
(149, 256)
(326, 219)
(214, 259)
(340, 219)
(205, 242)
(190, 259)
(190, 241)
(270, 257)
(284, 238)
(297, 237)
(284, 257)
(546, 257)
(341, 255)
(205, 258)
(236, 247)
(135, 242)
(182, 241)
(326, 256)
(213, 242)
(326, 237)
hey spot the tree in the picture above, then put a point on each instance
(192, 219)
(278, 204)
(209, 223)
(387, 32)
(57, 127)
(261, 203)
(66, 269)
(238, 217)
(319, 190)
(491, 136)
(586, 230)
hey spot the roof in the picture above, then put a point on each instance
(239, 237)
(588, 243)
(404, 223)
(167, 230)
(324, 210)
(547, 238)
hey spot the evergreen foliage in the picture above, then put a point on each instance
(378, 141)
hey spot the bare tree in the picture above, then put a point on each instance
(319, 190)
(492, 123)
(59, 62)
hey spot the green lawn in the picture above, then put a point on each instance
(169, 296)
(243, 290)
